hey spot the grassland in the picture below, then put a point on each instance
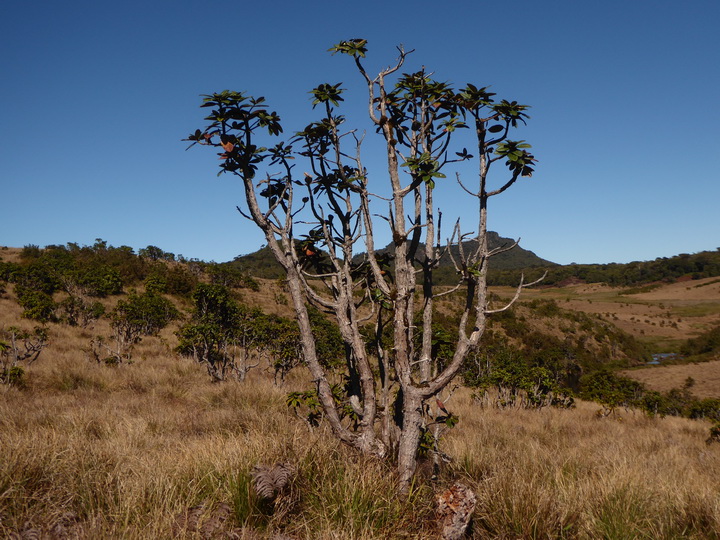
(705, 376)
(155, 450)
(663, 317)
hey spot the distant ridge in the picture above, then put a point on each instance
(262, 264)
(515, 259)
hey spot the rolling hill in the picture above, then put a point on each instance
(262, 264)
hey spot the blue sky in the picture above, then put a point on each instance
(96, 97)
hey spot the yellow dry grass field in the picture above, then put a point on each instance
(666, 314)
(706, 377)
(153, 449)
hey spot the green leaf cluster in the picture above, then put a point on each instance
(327, 93)
(233, 119)
(519, 160)
(352, 47)
(610, 389)
(425, 168)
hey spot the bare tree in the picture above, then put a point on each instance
(314, 218)
(22, 347)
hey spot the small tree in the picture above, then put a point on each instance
(19, 347)
(314, 216)
(221, 334)
(140, 315)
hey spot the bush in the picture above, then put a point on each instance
(140, 315)
(179, 281)
(708, 342)
(654, 404)
(144, 314)
(78, 311)
(99, 280)
(517, 381)
(37, 305)
(610, 389)
(220, 328)
(706, 408)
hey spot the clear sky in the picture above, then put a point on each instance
(95, 97)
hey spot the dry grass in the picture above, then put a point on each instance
(665, 315)
(570, 474)
(10, 254)
(155, 450)
(706, 376)
(128, 452)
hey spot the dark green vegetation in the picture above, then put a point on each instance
(614, 391)
(668, 269)
(703, 346)
(262, 263)
(505, 269)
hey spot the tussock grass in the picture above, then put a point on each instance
(126, 451)
(569, 474)
(155, 450)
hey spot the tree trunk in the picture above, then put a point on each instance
(409, 439)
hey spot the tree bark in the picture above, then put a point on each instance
(412, 420)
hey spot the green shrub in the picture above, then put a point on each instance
(219, 328)
(143, 314)
(78, 311)
(140, 315)
(517, 380)
(179, 281)
(610, 389)
(37, 305)
(30, 251)
(708, 342)
(707, 408)
(98, 279)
